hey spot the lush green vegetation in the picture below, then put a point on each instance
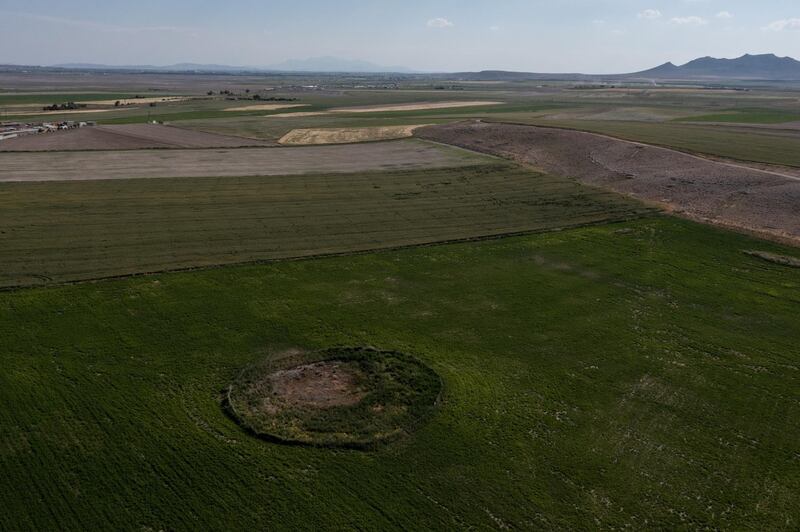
(639, 375)
(340, 397)
(65, 231)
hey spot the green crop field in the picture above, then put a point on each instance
(640, 375)
(754, 116)
(66, 231)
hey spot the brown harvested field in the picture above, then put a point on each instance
(729, 194)
(304, 137)
(266, 107)
(126, 137)
(99, 165)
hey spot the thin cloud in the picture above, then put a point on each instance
(440, 22)
(785, 24)
(689, 21)
(724, 15)
(650, 14)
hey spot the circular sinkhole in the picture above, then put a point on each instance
(342, 397)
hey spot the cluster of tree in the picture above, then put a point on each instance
(233, 96)
(68, 106)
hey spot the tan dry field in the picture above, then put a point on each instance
(754, 199)
(390, 108)
(243, 162)
(126, 137)
(133, 101)
(307, 137)
(266, 107)
(69, 112)
(414, 106)
(298, 115)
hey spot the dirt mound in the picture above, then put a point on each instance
(729, 194)
(344, 397)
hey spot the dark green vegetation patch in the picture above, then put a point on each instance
(343, 397)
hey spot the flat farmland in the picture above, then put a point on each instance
(68, 231)
(101, 165)
(639, 376)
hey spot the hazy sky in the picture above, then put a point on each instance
(592, 36)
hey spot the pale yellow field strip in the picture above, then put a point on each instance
(414, 106)
(389, 108)
(308, 137)
(73, 112)
(267, 107)
(298, 115)
(133, 101)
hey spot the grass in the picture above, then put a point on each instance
(754, 116)
(65, 231)
(639, 375)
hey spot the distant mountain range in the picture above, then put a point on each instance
(314, 64)
(747, 67)
(765, 67)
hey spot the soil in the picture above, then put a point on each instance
(126, 137)
(320, 385)
(753, 198)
